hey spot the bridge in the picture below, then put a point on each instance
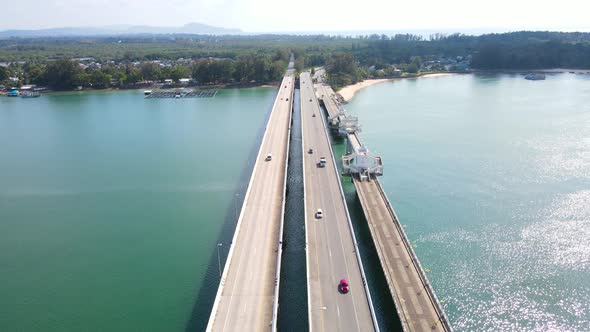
(247, 297)
(332, 252)
(416, 303)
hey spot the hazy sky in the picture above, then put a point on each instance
(301, 15)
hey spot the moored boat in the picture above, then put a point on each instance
(30, 95)
(13, 93)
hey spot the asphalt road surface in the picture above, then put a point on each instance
(330, 248)
(244, 300)
(418, 308)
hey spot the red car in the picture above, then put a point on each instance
(343, 286)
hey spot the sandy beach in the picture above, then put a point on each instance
(436, 75)
(349, 91)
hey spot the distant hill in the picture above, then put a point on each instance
(190, 28)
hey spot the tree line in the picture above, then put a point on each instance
(514, 50)
(223, 59)
(65, 74)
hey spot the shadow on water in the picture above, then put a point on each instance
(382, 301)
(293, 301)
(206, 296)
(292, 291)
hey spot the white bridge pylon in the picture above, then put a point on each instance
(362, 163)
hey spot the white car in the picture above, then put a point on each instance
(319, 214)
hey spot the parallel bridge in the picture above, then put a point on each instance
(331, 248)
(247, 297)
(416, 303)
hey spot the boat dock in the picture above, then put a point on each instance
(182, 94)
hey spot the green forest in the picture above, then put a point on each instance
(126, 60)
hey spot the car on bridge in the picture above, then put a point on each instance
(268, 157)
(343, 286)
(319, 214)
(322, 162)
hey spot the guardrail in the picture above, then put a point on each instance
(356, 249)
(305, 218)
(275, 305)
(425, 283)
(396, 300)
(238, 225)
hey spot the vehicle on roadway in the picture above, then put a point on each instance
(322, 162)
(343, 286)
(310, 151)
(268, 157)
(313, 115)
(319, 214)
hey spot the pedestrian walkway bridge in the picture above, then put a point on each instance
(416, 303)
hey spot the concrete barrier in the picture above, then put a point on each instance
(356, 249)
(237, 231)
(425, 283)
(303, 156)
(275, 306)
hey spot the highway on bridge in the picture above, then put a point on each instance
(247, 291)
(416, 303)
(331, 252)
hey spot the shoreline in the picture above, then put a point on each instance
(545, 70)
(196, 87)
(348, 92)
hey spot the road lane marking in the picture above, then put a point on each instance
(270, 132)
(414, 300)
(315, 238)
(346, 263)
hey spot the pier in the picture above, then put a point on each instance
(416, 303)
(331, 248)
(247, 297)
(182, 94)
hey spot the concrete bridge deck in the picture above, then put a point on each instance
(332, 253)
(248, 291)
(415, 300)
(328, 96)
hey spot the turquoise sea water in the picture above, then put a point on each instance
(111, 206)
(491, 176)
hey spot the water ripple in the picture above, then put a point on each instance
(517, 278)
